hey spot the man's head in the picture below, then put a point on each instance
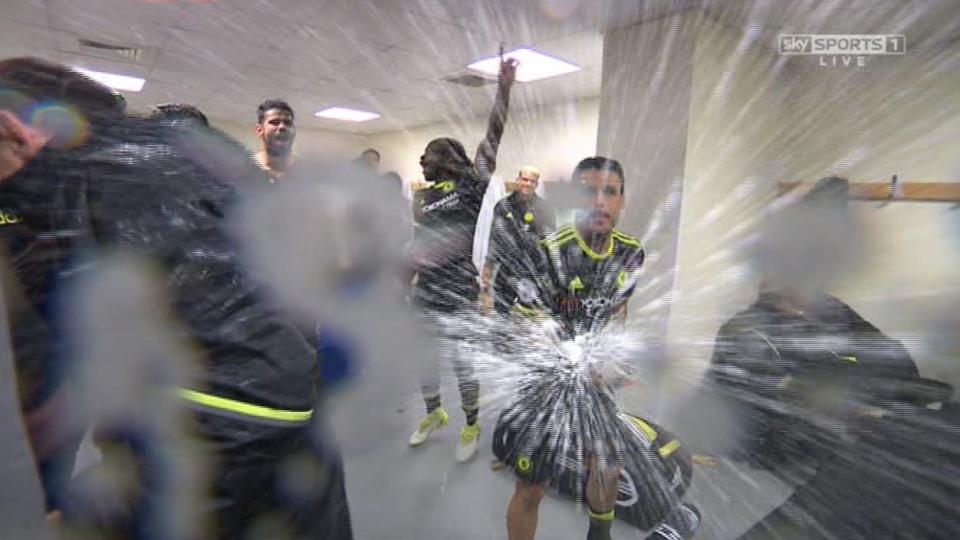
(180, 113)
(275, 127)
(807, 245)
(370, 159)
(394, 179)
(527, 181)
(45, 103)
(602, 182)
(443, 156)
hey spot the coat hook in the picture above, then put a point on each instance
(896, 192)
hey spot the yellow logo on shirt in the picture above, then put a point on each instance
(576, 284)
(446, 186)
(9, 218)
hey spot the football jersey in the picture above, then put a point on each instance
(445, 215)
(580, 288)
(518, 226)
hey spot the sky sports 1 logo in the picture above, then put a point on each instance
(842, 49)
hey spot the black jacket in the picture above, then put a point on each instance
(138, 185)
(829, 337)
(777, 366)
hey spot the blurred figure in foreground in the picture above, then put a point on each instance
(826, 401)
(394, 180)
(45, 111)
(369, 159)
(796, 338)
(130, 185)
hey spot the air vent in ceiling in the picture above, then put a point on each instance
(114, 52)
(469, 79)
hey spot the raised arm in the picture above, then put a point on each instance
(486, 158)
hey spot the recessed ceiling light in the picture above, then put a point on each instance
(534, 65)
(117, 82)
(348, 115)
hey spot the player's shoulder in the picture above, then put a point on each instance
(503, 207)
(562, 236)
(626, 240)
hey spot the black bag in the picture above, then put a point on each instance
(774, 367)
(897, 480)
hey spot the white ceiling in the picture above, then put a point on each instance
(225, 56)
(382, 55)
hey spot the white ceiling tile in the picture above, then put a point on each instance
(99, 64)
(24, 37)
(25, 11)
(272, 77)
(157, 91)
(238, 20)
(384, 55)
(69, 43)
(200, 52)
(119, 22)
(203, 63)
(10, 48)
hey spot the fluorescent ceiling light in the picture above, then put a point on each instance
(534, 65)
(117, 82)
(348, 115)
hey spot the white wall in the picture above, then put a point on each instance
(309, 142)
(644, 121)
(899, 115)
(553, 138)
(757, 119)
(732, 165)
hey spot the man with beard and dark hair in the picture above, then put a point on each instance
(520, 221)
(446, 281)
(131, 185)
(276, 131)
(209, 147)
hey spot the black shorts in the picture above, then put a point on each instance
(653, 479)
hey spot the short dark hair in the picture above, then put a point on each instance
(26, 80)
(600, 163)
(370, 151)
(180, 112)
(273, 104)
(453, 151)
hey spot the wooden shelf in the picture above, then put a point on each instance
(881, 191)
